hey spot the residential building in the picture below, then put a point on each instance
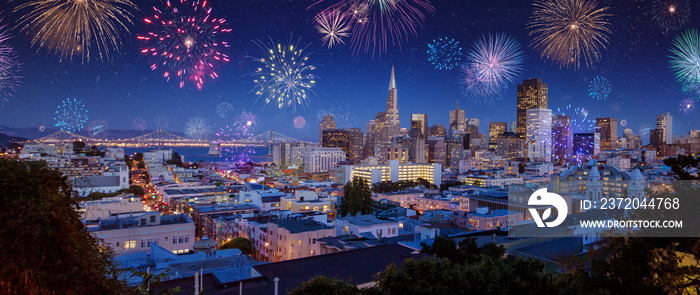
(293, 239)
(664, 122)
(321, 159)
(483, 219)
(394, 171)
(366, 225)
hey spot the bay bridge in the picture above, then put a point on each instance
(164, 138)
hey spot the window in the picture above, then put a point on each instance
(292, 243)
(129, 245)
(299, 242)
(180, 240)
(314, 240)
(143, 243)
(117, 244)
(187, 238)
(155, 241)
(153, 218)
(174, 240)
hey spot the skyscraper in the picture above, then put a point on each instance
(562, 138)
(496, 128)
(586, 144)
(607, 127)
(355, 155)
(532, 94)
(339, 138)
(664, 122)
(420, 122)
(387, 124)
(437, 130)
(538, 134)
(370, 132)
(457, 121)
(326, 123)
(453, 151)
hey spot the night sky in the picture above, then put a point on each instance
(635, 62)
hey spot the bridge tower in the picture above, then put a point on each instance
(271, 143)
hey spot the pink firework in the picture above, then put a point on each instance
(686, 106)
(185, 42)
(299, 122)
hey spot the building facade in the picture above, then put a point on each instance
(532, 94)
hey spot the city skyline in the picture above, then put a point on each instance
(355, 83)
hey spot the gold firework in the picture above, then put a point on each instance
(570, 32)
(72, 27)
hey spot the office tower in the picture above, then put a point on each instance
(436, 150)
(356, 145)
(586, 144)
(457, 121)
(339, 138)
(562, 138)
(532, 94)
(420, 121)
(326, 123)
(656, 137)
(369, 139)
(628, 132)
(416, 146)
(437, 130)
(510, 146)
(321, 159)
(664, 122)
(495, 129)
(387, 123)
(513, 128)
(539, 134)
(453, 151)
(607, 127)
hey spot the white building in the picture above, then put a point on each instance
(621, 163)
(291, 239)
(172, 232)
(113, 178)
(394, 171)
(360, 224)
(321, 159)
(107, 208)
(539, 134)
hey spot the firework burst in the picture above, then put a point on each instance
(98, 129)
(161, 122)
(333, 25)
(186, 42)
(671, 15)
(444, 53)
(580, 122)
(71, 115)
(139, 124)
(570, 32)
(320, 114)
(623, 123)
(9, 67)
(342, 116)
(299, 122)
(685, 61)
(235, 145)
(645, 131)
(246, 123)
(493, 63)
(285, 77)
(378, 24)
(223, 109)
(76, 28)
(599, 88)
(686, 106)
(197, 129)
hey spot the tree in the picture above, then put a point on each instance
(357, 198)
(242, 244)
(323, 285)
(45, 249)
(137, 190)
(138, 157)
(681, 166)
(141, 165)
(78, 146)
(14, 146)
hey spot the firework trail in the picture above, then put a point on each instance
(580, 122)
(570, 32)
(246, 123)
(493, 63)
(284, 78)
(197, 129)
(671, 15)
(333, 25)
(379, 24)
(9, 67)
(76, 28)
(444, 53)
(71, 115)
(645, 130)
(186, 41)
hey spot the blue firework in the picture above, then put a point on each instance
(71, 115)
(580, 122)
(599, 89)
(444, 53)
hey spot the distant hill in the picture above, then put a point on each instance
(5, 139)
(35, 132)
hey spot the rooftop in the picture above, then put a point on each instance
(365, 220)
(299, 226)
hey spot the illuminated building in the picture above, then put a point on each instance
(457, 121)
(539, 134)
(321, 159)
(510, 146)
(562, 138)
(607, 128)
(664, 122)
(586, 144)
(532, 94)
(326, 123)
(395, 171)
(420, 122)
(495, 129)
(437, 130)
(386, 124)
